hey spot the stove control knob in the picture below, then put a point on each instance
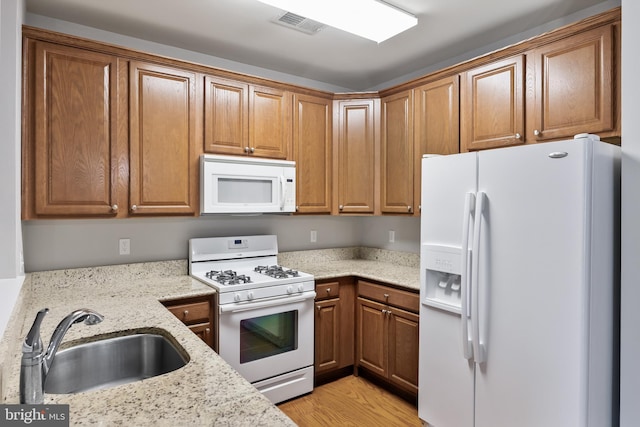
(237, 297)
(250, 295)
(300, 288)
(289, 289)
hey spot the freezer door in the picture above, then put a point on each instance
(445, 393)
(533, 297)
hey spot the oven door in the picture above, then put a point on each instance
(267, 338)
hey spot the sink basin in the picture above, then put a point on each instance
(113, 361)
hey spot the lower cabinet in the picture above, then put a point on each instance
(198, 314)
(387, 334)
(334, 327)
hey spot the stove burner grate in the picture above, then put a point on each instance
(227, 277)
(276, 271)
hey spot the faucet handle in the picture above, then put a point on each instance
(33, 341)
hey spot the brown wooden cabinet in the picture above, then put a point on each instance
(226, 116)
(355, 156)
(436, 129)
(244, 119)
(163, 141)
(334, 327)
(198, 314)
(312, 152)
(387, 342)
(71, 165)
(493, 105)
(397, 159)
(574, 91)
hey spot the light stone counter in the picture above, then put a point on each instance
(205, 392)
(396, 268)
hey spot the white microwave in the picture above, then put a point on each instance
(246, 185)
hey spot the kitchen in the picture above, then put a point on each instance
(331, 231)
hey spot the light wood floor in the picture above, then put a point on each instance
(351, 401)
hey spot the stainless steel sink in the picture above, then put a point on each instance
(113, 361)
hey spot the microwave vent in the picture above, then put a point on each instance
(300, 23)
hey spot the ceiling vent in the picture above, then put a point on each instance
(300, 23)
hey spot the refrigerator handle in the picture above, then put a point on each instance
(467, 347)
(478, 347)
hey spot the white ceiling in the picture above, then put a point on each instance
(241, 31)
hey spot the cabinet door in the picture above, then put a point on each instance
(574, 85)
(269, 122)
(73, 150)
(205, 332)
(327, 334)
(372, 336)
(492, 113)
(397, 154)
(312, 153)
(356, 157)
(226, 120)
(163, 156)
(436, 119)
(403, 349)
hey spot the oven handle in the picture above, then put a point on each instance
(234, 308)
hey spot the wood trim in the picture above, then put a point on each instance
(136, 55)
(611, 16)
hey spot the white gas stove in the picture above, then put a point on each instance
(244, 269)
(265, 313)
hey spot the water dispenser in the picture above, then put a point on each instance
(442, 269)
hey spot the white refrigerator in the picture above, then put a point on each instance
(520, 286)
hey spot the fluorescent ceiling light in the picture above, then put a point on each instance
(371, 19)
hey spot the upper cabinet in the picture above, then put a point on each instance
(355, 156)
(574, 86)
(163, 140)
(312, 152)
(436, 128)
(397, 154)
(492, 106)
(70, 162)
(244, 119)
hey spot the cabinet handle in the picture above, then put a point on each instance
(537, 132)
(408, 208)
(207, 331)
(185, 313)
(318, 307)
(419, 208)
(297, 208)
(114, 208)
(328, 290)
(252, 149)
(518, 136)
(386, 297)
(340, 207)
(134, 208)
(246, 149)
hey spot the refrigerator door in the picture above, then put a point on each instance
(532, 290)
(445, 396)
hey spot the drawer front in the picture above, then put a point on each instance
(327, 290)
(197, 312)
(391, 296)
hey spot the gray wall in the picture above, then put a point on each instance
(630, 329)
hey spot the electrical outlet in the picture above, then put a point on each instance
(125, 246)
(314, 236)
(392, 236)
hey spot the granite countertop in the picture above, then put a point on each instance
(396, 268)
(207, 391)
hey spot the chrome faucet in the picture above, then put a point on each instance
(35, 364)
